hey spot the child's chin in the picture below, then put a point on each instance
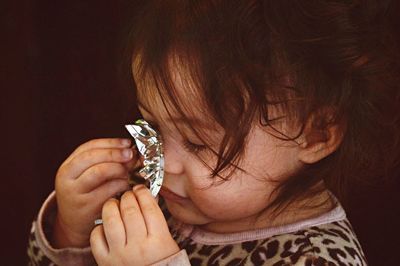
(187, 215)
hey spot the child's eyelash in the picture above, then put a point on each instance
(187, 145)
(194, 148)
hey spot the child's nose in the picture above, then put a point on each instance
(173, 158)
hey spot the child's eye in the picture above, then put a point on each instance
(193, 148)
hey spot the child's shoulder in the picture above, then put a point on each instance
(329, 244)
(336, 241)
(332, 243)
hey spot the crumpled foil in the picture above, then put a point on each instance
(149, 145)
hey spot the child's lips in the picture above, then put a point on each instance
(169, 195)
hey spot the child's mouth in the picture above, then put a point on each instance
(169, 195)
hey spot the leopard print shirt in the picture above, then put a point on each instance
(312, 242)
(329, 244)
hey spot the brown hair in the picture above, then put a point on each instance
(248, 56)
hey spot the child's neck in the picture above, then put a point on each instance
(293, 213)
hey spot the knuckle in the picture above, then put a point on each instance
(112, 154)
(151, 207)
(97, 171)
(128, 210)
(88, 155)
(112, 220)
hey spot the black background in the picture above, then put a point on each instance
(60, 88)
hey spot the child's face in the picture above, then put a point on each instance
(218, 206)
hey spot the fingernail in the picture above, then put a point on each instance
(127, 153)
(140, 186)
(126, 142)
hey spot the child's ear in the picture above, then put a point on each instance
(321, 137)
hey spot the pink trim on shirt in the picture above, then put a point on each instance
(209, 238)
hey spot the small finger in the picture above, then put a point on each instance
(103, 143)
(98, 243)
(86, 159)
(106, 191)
(113, 226)
(98, 174)
(135, 163)
(132, 217)
(152, 214)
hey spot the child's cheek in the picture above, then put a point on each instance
(218, 206)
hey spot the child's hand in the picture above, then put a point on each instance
(134, 231)
(93, 173)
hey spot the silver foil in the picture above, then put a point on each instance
(149, 145)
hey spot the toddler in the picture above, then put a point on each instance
(269, 111)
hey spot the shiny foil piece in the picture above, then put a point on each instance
(149, 145)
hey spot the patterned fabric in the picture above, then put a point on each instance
(329, 244)
(333, 243)
(35, 253)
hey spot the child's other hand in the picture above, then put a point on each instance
(96, 171)
(134, 231)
